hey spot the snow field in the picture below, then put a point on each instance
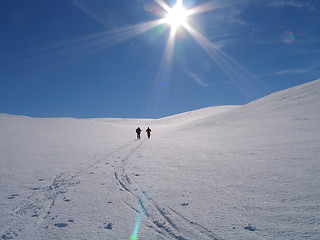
(229, 172)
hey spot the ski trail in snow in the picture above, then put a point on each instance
(36, 208)
(165, 221)
(197, 226)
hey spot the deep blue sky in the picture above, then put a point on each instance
(83, 58)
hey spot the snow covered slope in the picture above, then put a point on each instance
(230, 172)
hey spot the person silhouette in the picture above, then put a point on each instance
(138, 131)
(148, 132)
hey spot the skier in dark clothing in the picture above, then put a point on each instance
(138, 131)
(148, 132)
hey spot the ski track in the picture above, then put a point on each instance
(158, 218)
(36, 208)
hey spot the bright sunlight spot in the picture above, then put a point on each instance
(177, 16)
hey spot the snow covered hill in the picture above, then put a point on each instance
(229, 172)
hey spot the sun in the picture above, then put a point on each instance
(177, 16)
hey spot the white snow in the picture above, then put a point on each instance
(229, 172)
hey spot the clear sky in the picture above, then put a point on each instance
(129, 59)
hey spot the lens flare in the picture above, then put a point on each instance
(134, 235)
(287, 37)
(143, 210)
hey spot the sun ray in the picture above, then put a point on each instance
(59, 53)
(206, 7)
(163, 4)
(50, 56)
(158, 106)
(234, 70)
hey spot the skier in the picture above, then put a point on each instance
(148, 132)
(138, 131)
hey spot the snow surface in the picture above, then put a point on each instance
(229, 172)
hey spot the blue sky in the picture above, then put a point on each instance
(102, 58)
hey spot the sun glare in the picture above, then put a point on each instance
(177, 16)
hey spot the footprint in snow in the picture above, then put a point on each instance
(251, 228)
(61, 225)
(108, 226)
(9, 235)
(66, 199)
(12, 196)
